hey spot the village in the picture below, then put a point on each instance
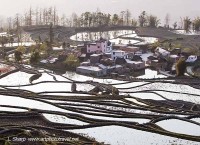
(102, 57)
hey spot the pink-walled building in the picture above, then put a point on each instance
(100, 46)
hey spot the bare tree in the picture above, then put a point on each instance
(30, 16)
(134, 22)
(167, 20)
(75, 20)
(18, 30)
(115, 19)
(181, 23)
(153, 21)
(54, 16)
(51, 36)
(9, 22)
(122, 16)
(26, 19)
(127, 17)
(63, 20)
(175, 25)
(142, 19)
(187, 24)
(196, 24)
(45, 16)
(36, 16)
(40, 16)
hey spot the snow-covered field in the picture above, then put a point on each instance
(174, 125)
(79, 77)
(191, 32)
(58, 48)
(114, 135)
(123, 41)
(151, 74)
(5, 34)
(112, 36)
(63, 119)
(20, 44)
(145, 39)
(89, 36)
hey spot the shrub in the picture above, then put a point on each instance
(115, 91)
(180, 67)
(35, 57)
(43, 48)
(18, 56)
(21, 49)
(190, 51)
(72, 61)
(177, 45)
(155, 45)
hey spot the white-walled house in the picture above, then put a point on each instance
(92, 70)
(192, 58)
(162, 52)
(109, 47)
(100, 46)
(174, 58)
(117, 53)
(136, 65)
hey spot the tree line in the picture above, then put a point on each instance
(46, 16)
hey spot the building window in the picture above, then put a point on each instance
(114, 57)
(98, 46)
(89, 50)
(138, 65)
(113, 53)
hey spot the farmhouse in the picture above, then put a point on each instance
(117, 54)
(100, 46)
(161, 52)
(192, 58)
(135, 65)
(174, 58)
(95, 58)
(91, 70)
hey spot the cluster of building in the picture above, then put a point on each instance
(164, 60)
(101, 58)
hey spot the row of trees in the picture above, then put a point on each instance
(38, 16)
(188, 24)
(191, 24)
(148, 20)
(98, 18)
(44, 16)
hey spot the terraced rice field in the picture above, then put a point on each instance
(142, 113)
